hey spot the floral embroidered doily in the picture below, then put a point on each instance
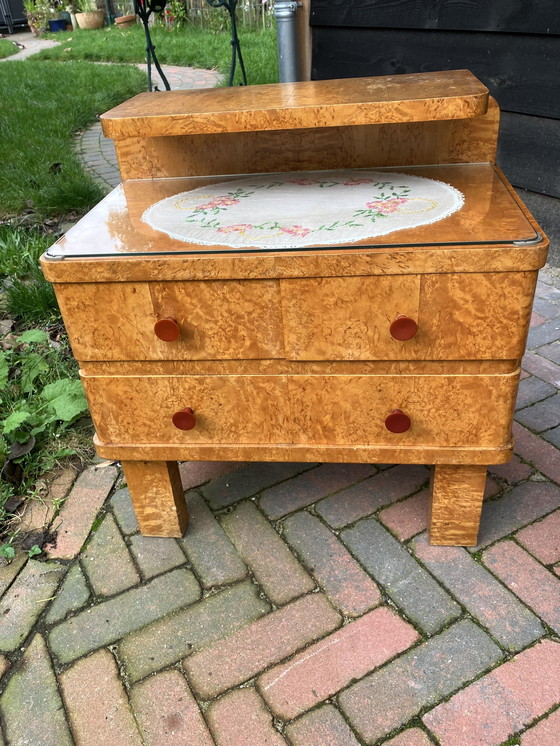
(286, 211)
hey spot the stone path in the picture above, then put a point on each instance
(304, 605)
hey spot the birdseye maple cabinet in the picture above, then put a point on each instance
(401, 348)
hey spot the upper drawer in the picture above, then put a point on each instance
(459, 316)
(236, 319)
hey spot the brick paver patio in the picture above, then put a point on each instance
(304, 606)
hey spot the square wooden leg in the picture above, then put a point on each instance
(456, 504)
(157, 495)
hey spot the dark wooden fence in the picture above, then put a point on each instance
(513, 46)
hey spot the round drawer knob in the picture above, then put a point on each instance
(184, 419)
(403, 328)
(167, 329)
(397, 422)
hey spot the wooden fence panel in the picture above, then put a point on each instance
(511, 16)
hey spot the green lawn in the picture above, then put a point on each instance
(7, 48)
(48, 103)
(187, 47)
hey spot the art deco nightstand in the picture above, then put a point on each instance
(397, 348)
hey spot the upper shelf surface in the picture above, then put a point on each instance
(420, 97)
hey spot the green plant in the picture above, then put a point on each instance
(20, 249)
(38, 12)
(29, 407)
(28, 296)
(85, 6)
(34, 551)
(175, 14)
(40, 399)
(7, 551)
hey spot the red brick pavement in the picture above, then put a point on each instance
(298, 609)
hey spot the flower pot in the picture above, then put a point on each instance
(90, 20)
(57, 24)
(126, 21)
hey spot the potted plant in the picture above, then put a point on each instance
(125, 17)
(88, 16)
(37, 13)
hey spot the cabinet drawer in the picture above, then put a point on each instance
(228, 409)
(216, 320)
(445, 410)
(459, 316)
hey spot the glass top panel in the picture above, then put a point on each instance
(489, 215)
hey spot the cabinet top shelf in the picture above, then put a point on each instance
(420, 97)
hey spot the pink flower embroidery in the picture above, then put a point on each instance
(295, 230)
(387, 206)
(218, 202)
(238, 228)
(303, 182)
(355, 182)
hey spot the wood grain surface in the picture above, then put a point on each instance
(228, 409)
(456, 503)
(369, 454)
(324, 263)
(460, 316)
(446, 411)
(287, 356)
(157, 495)
(405, 143)
(454, 94)
(296, 367)
(115, 321)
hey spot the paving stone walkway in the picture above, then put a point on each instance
(304, 605)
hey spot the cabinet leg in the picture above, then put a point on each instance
(456, 504)
(157, 495)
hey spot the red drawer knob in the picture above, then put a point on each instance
(397, 422)
(185, 419)
(167, 329)
(403, 328)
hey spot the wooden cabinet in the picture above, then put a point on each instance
(403, 348)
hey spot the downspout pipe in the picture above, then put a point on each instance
(285, 13)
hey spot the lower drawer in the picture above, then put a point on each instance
(444, 410)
